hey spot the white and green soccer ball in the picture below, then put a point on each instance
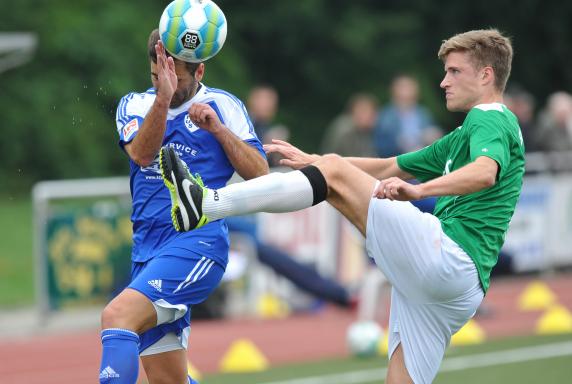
(192, 30)
(363, 338)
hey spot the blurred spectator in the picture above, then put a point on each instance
(404, 125)
(301, 275)
(351, 134)
(522, 104)
(555, 123)
(262, 106)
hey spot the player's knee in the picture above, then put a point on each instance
(331, 159)
(331, 165)
(110, 316)
(114, 315)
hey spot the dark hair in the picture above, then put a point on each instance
(154, 37)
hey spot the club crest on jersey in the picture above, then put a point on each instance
(189, 124)
(129, 129)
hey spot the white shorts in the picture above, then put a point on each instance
(435, 284)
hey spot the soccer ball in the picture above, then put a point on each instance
(192, 30)
(363, 338)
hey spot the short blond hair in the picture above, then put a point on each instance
(487, 48)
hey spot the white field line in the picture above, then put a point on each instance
(488, 359)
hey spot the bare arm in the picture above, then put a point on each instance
(473, 177)
(245, 159)
(380, 168)
(295, 158)
(147, 143)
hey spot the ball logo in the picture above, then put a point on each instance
(190, 40)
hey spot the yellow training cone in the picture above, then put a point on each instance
(193, 371)
(537, 296)
(556, 320)
(269, 306)
(243, 356)
(471, 333)
(383, 346)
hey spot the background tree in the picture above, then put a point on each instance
(58, 110)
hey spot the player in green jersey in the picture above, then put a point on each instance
(439, 265)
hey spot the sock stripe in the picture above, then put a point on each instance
(318, 183)
(110, 332)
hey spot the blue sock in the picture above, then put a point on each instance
(191, 381)
(120, 356)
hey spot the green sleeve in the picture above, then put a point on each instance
(429, 162)
(488, 139)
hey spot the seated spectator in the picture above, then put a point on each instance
(301, 275)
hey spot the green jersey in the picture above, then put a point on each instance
(478, 221)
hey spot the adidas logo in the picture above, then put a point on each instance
(156, 284)
(108, 373)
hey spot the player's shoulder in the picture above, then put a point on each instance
(221, 96)
(493, 115)
(485, 114)
(139, 97)
(489, 111)
(135, 104)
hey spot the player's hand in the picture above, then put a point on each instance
(166, 75)
(293, 157)
(394, 188)
(204, 117)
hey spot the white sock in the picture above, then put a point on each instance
(275, 193)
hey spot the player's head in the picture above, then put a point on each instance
(477, 66)
(188, 74)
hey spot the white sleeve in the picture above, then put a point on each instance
(233, 115)
(130, 114)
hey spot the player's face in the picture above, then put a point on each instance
(186, 82)
(462, 82)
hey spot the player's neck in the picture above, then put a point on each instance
(491, 97)
(196, 90)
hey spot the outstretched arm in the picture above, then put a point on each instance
(473, 177)
(380, 168)
(295, 158)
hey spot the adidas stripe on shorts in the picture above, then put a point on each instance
(173, 284)
(435, 284)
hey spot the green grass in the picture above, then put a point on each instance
(16, 252)
(368, 371)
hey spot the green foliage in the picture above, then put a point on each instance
(16, 258)
(58, 110)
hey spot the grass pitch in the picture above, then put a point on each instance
(545, 359)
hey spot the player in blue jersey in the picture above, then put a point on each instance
(171, 271)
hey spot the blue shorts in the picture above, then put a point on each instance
(173, 284)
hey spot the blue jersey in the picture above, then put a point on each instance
(153, 231)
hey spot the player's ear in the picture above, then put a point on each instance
(487, 75)
(200, 72)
